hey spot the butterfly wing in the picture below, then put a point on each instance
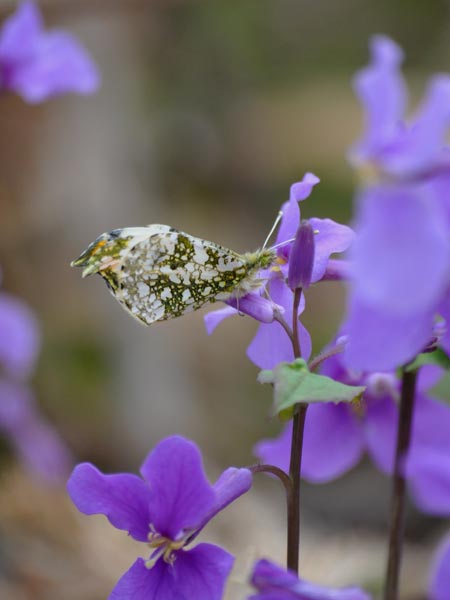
(165, 273)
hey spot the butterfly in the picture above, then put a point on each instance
(157, 272)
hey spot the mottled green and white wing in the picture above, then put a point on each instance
(166, 273)
(157, 272)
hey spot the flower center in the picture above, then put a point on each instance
(163, 547)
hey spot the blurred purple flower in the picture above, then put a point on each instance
(440, 573)
(166, 510)
(37, 64)
(20, 337)
(274, 583)
(336, 435)
(398, 149)
(37, 445)
(271, 345)
(401, 255)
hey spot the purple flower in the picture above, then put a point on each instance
(34, 441)
(271, 345)
(37, 64)
(336, 435)
(166, 510)
(400, 278)
(274, 583)
(401, 255)
(396, 148)
(20, 337)
(440, 573)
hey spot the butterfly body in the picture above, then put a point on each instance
(157, 272)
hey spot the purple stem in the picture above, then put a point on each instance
(397, 518)
(293, 533)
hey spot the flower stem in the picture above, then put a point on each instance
(293, 525)
(282, 476)
(293, 533)
(397, 517)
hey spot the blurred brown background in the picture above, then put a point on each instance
(207, 113)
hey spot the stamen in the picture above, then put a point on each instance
(164, 547)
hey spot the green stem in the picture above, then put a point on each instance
(397, 517)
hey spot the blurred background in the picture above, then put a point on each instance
(208, 111)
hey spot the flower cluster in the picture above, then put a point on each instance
(401, 255)
(398, 267)
(271, 345)
(336, 435)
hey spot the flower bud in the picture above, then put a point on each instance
(259, 308)
(301, 258)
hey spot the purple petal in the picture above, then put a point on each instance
(380, 343)
(401, 254)
(431, 425)
(230, 485)
(267, 574)
(419, 148)
(288, 227)
(302, 189)
(19, 336)
(380, 427)
(255, 306)
(333, 442)
(275, 451)
(215, 317)
(428, 467)
(382, 92)
(337, 270)
(444, 311)
(59, 65)
(275, 582)
(427, 377)
(428, 474)
(122, 498)
(181, 496)
(200, 573)
(42, 450)
(440, 572)
(271, 344)
(330, 237)
(291, 210)
(19, 33)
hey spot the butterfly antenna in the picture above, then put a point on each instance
(281, 244)
(274, 226)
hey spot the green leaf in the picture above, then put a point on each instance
(295, 384)
(438, 358)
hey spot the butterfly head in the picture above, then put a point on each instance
(104, 254)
